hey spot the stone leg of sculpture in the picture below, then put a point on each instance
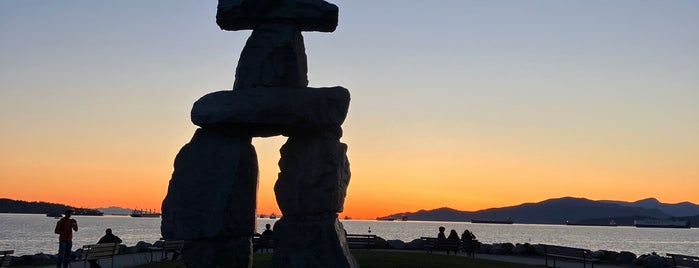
(217, 252)
(211, 200)
(311, 242)
(310, 192)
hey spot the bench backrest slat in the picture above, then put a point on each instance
(5, 257)
(99, 251)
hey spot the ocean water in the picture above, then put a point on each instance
(32, 233)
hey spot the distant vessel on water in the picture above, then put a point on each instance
(507, 221)
(77, 212)
(137, 213)
(651, 223)
(611, 223)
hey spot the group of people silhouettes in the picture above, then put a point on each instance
(468, 240)
(64, 228)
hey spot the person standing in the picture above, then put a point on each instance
(64, 228)
(107, 238)
(469, 243)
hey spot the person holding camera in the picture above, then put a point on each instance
(64, 228)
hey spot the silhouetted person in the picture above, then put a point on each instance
(454, 241)
(64, 228)
(441, 236)
(266, 239)
(469, 243)
(107, 238)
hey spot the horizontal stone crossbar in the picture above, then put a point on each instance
(272, 111)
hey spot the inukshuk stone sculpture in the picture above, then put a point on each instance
(212, 194)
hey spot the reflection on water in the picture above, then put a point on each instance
(30, 234)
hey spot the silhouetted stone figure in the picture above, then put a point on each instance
(212, 194)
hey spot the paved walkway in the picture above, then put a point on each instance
(120, 261)
(130, 260)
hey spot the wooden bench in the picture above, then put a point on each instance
(5, 257)
(679, 260)
(174, 246)
(99, 251)
(576, 254)
(432, 243)
(361, 241)
(262, 243)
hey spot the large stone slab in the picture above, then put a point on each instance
(274, 56)
(264, 112)
(313, 178)
(307, 15)
(311, 242)
(211, 199)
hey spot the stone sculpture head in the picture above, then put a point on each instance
(307, 15)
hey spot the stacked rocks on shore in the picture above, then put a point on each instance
(212, 193)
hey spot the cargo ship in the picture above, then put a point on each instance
(137, 213)
(507, 221)
(652, 223)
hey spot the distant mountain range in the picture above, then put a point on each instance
(560, 210)
(115, 210)
(18, 206)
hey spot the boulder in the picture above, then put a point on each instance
(520, 249)
(213, 188)
(220, 251)
(611, 256)
(264, 112)
(501, 249)
(396, 244)
(274, 56)
(312, 241)
(650, 260)
(598, 254)
(485, 248)
(416, 244)
(625, 257)
(313, 178)
(211, 199)
(307, 15)
(142, 246)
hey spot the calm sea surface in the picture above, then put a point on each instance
(31, 233)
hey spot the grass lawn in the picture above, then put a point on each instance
(385, 259)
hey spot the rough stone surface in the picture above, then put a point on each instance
(274, 56)
(212, 194)
(307, 15)
(218, 252)
(311, 242)
(313, 178)
(625, 257)
(263, 112)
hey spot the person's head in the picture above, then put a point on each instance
(466, 232)
(267, 226)
(441, 229)
(108, 231)
(68, 213)
(453, 233)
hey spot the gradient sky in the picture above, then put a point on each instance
(455, 103)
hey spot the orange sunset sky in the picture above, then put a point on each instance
(461, 104)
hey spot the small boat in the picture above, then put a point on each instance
(507, 221)
(653, 223)
(55, 215)
(137, 213)
(272, 216)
